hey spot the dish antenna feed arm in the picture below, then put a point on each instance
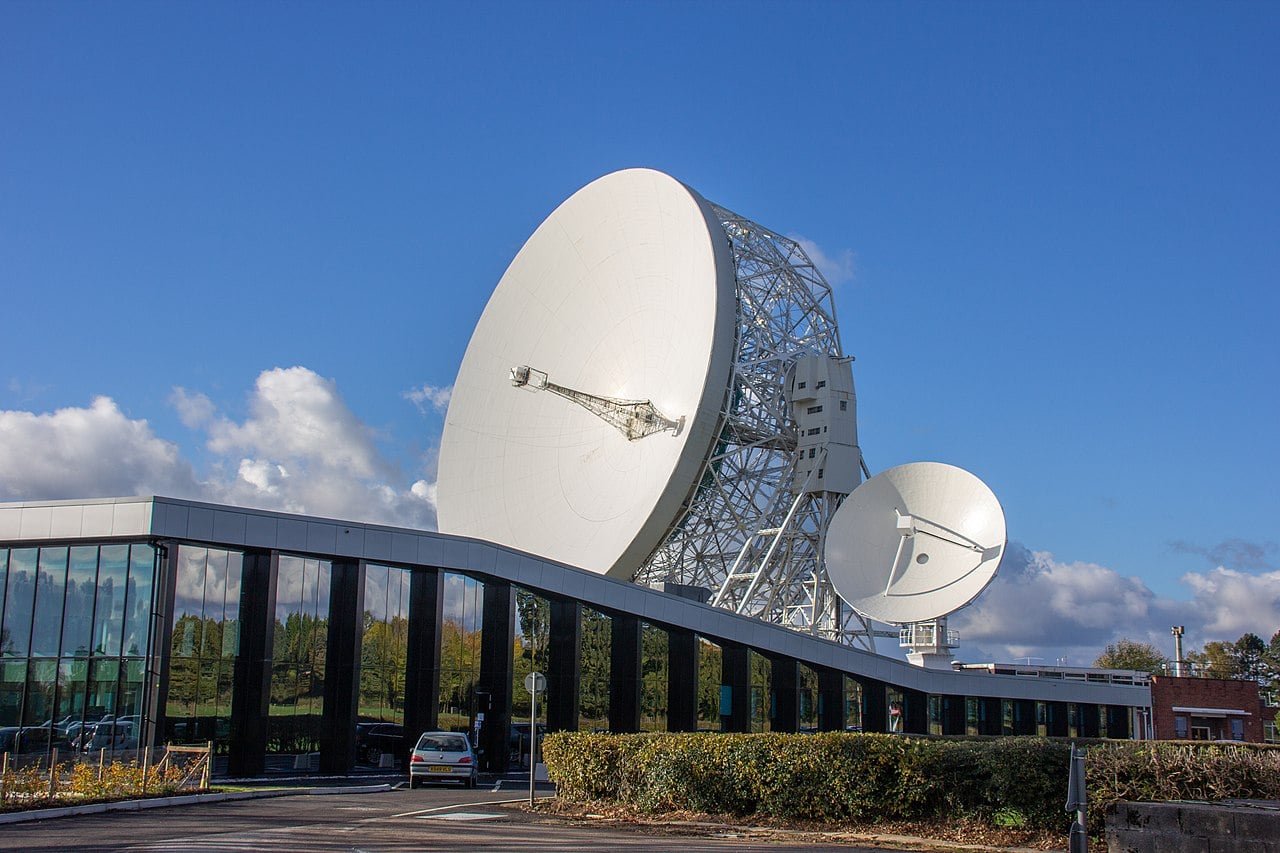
(635, 419)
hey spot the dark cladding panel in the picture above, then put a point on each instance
(422, 657)
(625, 677)
(735, 678)
(340, 710)
(251, 685)
(564, 666)
(784, 698)
(831, 693)
(497, 647)
(682, 681)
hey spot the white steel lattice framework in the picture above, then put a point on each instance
(744, 534)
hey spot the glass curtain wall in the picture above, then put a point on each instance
(74, 636)
(653, 670)
(852, 705)
(533, 636)
(385, 644)
(761, 674)
(460, 651)
(593, 698)
(206, 637)
(710, 669)
(808, 699)
(298, 659)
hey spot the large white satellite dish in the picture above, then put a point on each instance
(592, 388)
(657, 391)
(915, 543)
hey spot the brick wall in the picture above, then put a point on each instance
(1168, 692)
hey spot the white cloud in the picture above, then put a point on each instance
(299, 449)
(87, 453)
(836, 269)
(195, 410)
(430, 396)
(296, 414)
(1041, 608)
(1235, 602)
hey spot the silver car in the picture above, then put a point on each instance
(442, 756)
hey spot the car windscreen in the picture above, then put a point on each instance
(443, 743)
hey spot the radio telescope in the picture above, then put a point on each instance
(914, 544)
(657, 391)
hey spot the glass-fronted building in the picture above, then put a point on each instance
(299, 644)
(75, 634)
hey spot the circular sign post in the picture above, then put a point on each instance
(534, 682)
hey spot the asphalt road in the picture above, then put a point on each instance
(426, 819)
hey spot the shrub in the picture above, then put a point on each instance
(1018, 781)
(1151, 771)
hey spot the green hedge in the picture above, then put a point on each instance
(823, 777)
(864, 777)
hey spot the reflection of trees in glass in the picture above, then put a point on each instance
(203, 645)
(300, 646)
(709, 681)
(533, 627)
(383, 652)
(808, 698)
(459, 672)
(594, 685)
(200, 652)
(653, 673)
(760, 675)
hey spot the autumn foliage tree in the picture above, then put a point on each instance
(1130, 654)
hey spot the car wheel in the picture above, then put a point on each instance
(413, 783)
(471, 781)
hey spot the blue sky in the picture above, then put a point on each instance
(259, 235)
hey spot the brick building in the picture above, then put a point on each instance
(1206, 709)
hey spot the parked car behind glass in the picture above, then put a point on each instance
(373, 739)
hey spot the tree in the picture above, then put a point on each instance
(1218, 660)
(1251, 658)
(1130, 654)
(1248, 658)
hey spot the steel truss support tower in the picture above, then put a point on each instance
(747, 533)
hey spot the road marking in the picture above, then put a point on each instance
(448, 808)
(461, 816)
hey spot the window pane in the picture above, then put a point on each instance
(460, 651)
(108, 616)
(301, 634)
(77, 619)
(15, 635)
(47, 629)
(13, 681)
(188, 594)
(4, 574)
(104, 679)
(385, 644)
(137, 626)
(42, 684)
(227, 580)
(134, 675)
(73, 682)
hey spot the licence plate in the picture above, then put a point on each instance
(440, 768)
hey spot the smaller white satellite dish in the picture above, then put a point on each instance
(915, 542)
